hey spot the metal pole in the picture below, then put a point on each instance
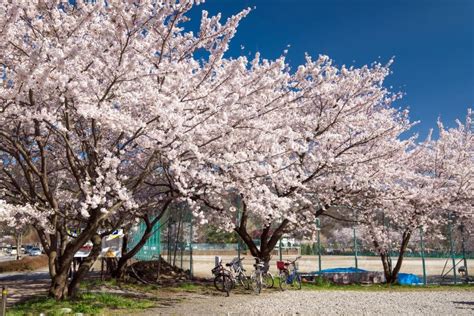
(355, 246)
(279, 251)
(450, 230)
(422, 246)
(191, 248)
(238, 237)
(464, 252)
(318, 226)
(3, 309)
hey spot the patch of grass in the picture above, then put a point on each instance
(91, 284)
(87, 303)
(136, 287)
(190, 287)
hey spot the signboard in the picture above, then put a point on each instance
(111, 246)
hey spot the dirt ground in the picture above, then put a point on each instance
(25, 285)
(203, 265)
(306, 302)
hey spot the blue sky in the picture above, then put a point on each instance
(432, 41)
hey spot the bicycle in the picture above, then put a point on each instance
(265, 279)
(268, 280)
(223, 280)
(257, 276)
(238, 274)
(288, 278)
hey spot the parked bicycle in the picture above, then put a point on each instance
(261, 277)
(238, 274)
(257, 276)
(223, 280)
(226, 279)
(289, 278)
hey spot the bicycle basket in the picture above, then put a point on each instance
(281, 265)
(216, 270)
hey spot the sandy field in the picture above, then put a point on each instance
(202, 264)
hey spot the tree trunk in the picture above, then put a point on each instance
(52, 255)
(59, 287)
(387, 268)
(18, 246)
(267, 242)
(85, 266)
(119, 272)
(391, 274)
(61, 255)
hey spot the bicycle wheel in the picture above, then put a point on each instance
(268, 280)
(244, 280)
(223, 282)
(297, 282)
(284, 284)
(256, 283)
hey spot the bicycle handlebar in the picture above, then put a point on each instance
(292, 262)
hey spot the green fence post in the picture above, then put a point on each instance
(355, 245)
(191, 246)
(422, 246)
(238, 237)
(279, 250)
(450, 230)
(318, 227)
(463, 245)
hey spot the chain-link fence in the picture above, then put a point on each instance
(445, 260)
(171, 239)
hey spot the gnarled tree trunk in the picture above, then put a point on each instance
(59, 283)
(85, 266)
(390, 272)
(61, 250)
(267, 241)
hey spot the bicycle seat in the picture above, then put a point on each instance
(228, 264)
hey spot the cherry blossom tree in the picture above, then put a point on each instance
(112, 112)
(297, 162)
(96, 100)
(418, 192)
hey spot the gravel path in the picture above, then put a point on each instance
(327, 303)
